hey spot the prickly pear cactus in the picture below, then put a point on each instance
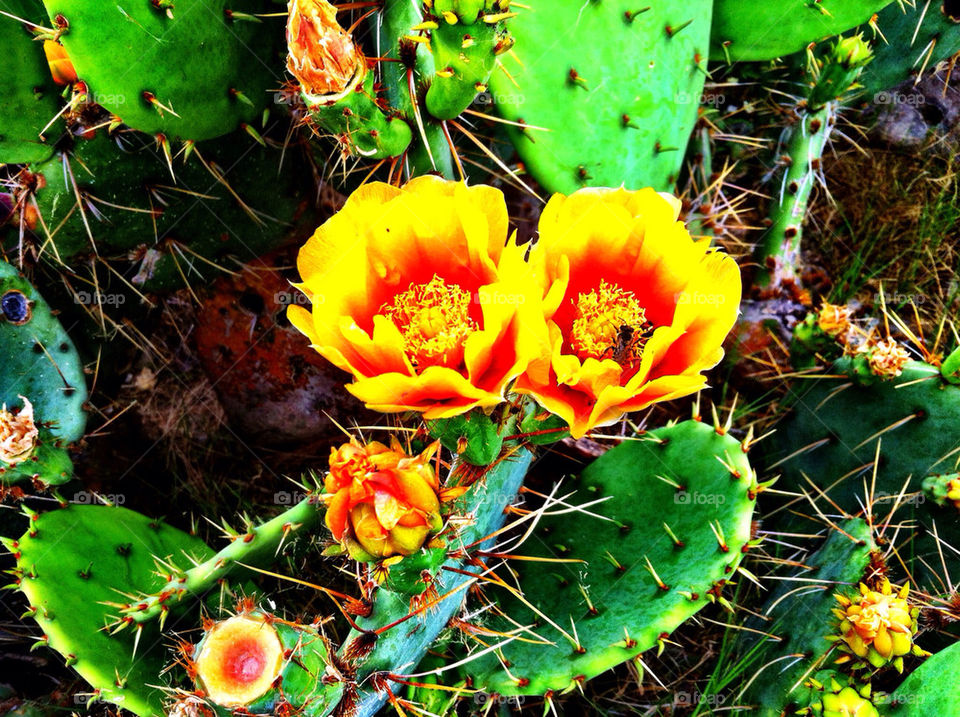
(801, 619)
(613, 86)
(742, 31)
(28, 94)
(40, 364)
(133, 56)
(904, 429)
(174, 221)
(69, 563)
(929, 691)
(675, 513)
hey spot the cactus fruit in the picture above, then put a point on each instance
(799, 620)
(69, 562)
(466, 38)
(746, 32)
(892, 433)
(676, 507)
(173, 229)
(256, 663)
(28, 96)
(876, 626)
(943, 490)
(621, 112)
(337, 86)
(131, 57)
(930, 690)
(42, 376)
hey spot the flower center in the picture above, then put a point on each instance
(609, 324)
(434, 320)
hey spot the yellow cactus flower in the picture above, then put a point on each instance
(382, 502)
(239, 660)
(321, 54)
(876, 626)
(417, 292)
(18, 433)
(637, 309)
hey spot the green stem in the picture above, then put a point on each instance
(258, 546)
(404, 645)
(395, 21)
(779, 252)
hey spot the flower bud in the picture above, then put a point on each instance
(61, 68)
(18, 434)
(322, 55)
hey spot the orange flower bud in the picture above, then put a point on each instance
(381, 502)
(322, 55)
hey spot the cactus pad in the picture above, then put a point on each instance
(41, 364)
(673, 531)
(100, 552)
(615, 86)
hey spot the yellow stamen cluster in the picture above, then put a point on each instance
(434, 320)
(877, 626)
(887, 358)
(18, 434)
(609, 324)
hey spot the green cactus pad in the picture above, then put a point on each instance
(919, 35)
(693, 538)
(134, 209)
(208, 68)
(800, 619)
(764, 31)
(831, 441)
(40, 363)
(616, 86)
(73, 560)
(931, 689)
(28, 95)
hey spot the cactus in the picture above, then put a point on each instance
(256, 663)
(173, 229)
(69, 562)
(764, 32)
(676, 506)
(28, 95)
(800, 620)
(918, 37)
(622, 110)
(830, 695)
(256, 545)
(466, 38)
(893, 433)
(132, 58)
(929, 691)
(41, 369)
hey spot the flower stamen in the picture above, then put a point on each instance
(434, 320)
(610, 324)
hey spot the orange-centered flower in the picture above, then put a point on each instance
(877, 626)
(417, 292)
(381, 502)
(637, 309)
(322, 55)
